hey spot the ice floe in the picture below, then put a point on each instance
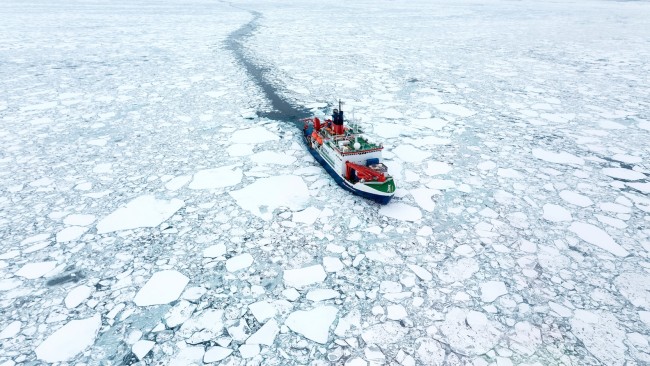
(69, 340)
(221, 177)
(36, 269)
(162, 288)
(239, 262)
(313, 324)
(263, 196)
(556, 213)
(558, 158)
(77, 295)
(598, 237)
(144, 211)
(302, 277)
(624, 174)
(253, 135)
(402, 211)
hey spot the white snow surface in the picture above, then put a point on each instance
(263, 196)
(598, 237)
(162, 288)
(69, 340)
(313, 324)
(144, 211)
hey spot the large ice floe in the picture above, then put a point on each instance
(158, 206)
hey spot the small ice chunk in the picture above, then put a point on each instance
(396, 312)
(69, 340)
(178, 182)
(332, 264)
(322, 294)
(215, 354)
(307, 216)
(410, 153)
(162, 288)
(188, 356)
(437, 168)
(491, 290)
(70, 233)
(35, 270)
(253, 135)
(623, 174)
(179, 314)
(422, 273)
(215, 251)
(249, 350)
(455, 109)
(143, 211)
(273, 157)
(557, 158)
(509, 173)
(11, 330)
(401, 211)
(263, 196)
(141, 348)
(225, 176)
(422, 197)
(291, 294)
(313, 324)
(262, 310)
(302, 277)
(556, 213)
(239, 262)
(79, 220)
(598, 237)
(575, 198)
(77, 295)
(266, 334)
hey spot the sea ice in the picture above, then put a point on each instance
(401, 211)
(623, 174)
(69, 340)
(598, 237)
(266, 194)
(143, 211)
(575, 198)
(396, 312)
(332, 264)
(76, 296)
(437, 168)
(272, 157)
(253, 135)
(178, 182)
(313, 324)
(458, 110)
(35, 270)
(266, 334)
(79, 220)
(469, 332)
(491, 290)
(188, 356)
(410, 153)
(141, 348)
(239, 262)
(11, 330)
(558, 158)
(221, 177)
(70, 233)
(422, 273)
(321, 294)
(262, 310)
(307, 216)
(215, 251)
(214, 354)
(162, 288)
(601, 334)
(302, 277)
(556, 213)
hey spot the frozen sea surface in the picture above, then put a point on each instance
(149, 216)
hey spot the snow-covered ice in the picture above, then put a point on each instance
(313, 324)
(69, 340)
(144, 211)
(158, 138)
(302, 277)
(162, 288)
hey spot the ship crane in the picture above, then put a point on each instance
(363, 172)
